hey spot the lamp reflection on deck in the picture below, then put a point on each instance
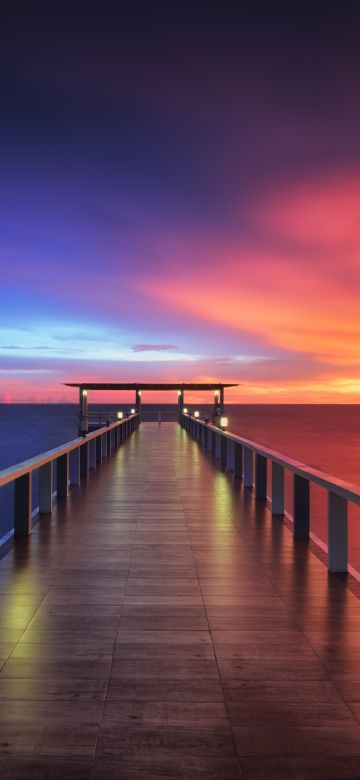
(223, 499)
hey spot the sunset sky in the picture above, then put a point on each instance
(180, 198)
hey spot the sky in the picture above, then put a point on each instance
(180, 197)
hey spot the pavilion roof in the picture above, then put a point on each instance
(148, 386)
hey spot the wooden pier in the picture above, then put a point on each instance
(161, 623)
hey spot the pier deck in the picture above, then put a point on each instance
(161, 625)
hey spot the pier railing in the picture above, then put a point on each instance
(249, 462)
(61, 468)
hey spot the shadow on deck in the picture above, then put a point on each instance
(161, 625)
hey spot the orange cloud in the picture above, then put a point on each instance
(300, 298)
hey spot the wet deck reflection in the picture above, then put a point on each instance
(161, 624)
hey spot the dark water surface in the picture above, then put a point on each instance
(327, 437)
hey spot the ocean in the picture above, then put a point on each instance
(324, 436)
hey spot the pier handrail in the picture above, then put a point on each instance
(339, 486)
(24, 467)
(240, 461)
(73, 461)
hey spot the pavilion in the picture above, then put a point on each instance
(217, 388)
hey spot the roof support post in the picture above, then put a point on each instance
(138, 399)
(83, 413)
(180, 404)
(222, 399)
(216, 402)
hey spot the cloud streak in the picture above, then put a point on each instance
(153, 347)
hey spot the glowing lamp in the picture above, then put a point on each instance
(197, 414)
(139, 393)
(132, 411)
(185, 410)
(223, 422)
(84, 392)
(179, 393)
(216, 393)
(120, 415)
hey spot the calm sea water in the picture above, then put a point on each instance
(327, 437)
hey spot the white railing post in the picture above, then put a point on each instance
(23, 505)
(92, 454)
(277, 489)
(260, 477)
(108, 444)
(301, 507)
(45, 487)
(206, 436)
(238, 460)
(74, 464)
(223, 450)
(98, 445)
(103, 438)
(84, 460)
(248, 468)
(218, 447)
(337, 533)
(230, 455)
(62, 475)
(213, 444)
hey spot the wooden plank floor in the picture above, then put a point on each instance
(161, 625)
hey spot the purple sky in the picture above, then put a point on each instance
(180, 197)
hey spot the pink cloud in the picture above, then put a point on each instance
(323, 212)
